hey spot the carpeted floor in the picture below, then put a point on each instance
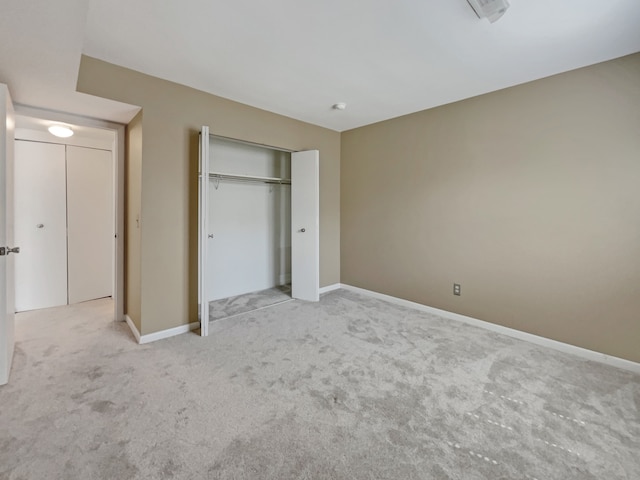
(348, 388)
(232, 306)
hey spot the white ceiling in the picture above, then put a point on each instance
(40, 47)
(297, 57)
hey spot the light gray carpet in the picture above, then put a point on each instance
(229, 307)
(348, 388)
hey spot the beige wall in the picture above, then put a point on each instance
(528, 197)
(173, 115)
(132, 208)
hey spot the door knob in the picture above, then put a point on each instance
(8, 250)
(40, 225)
(302, 230)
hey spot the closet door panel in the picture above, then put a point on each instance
(91, 223)
(40, 225)
(305, 225)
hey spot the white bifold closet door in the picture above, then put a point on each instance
(64, 224)
(90, 220)
(305, 225)
(40, 225)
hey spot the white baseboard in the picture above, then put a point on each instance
(152, 337)
(330, 288)
(133, 327)
(528, 337)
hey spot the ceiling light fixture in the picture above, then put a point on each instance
(61, 131)
(339, 106)
(492, 10)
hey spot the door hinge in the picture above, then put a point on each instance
(2, 251)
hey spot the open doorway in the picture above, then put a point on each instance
(69, 211)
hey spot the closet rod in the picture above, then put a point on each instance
(248, 178)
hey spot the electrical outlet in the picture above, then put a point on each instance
(456, 289)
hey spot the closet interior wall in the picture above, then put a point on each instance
(249, 222)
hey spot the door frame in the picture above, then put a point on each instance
(119, 186)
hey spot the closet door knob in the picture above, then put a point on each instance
(302, 230)
(40, 225)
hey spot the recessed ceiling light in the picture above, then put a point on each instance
(61, 131)
(339, 106)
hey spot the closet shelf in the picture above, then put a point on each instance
(249, 178)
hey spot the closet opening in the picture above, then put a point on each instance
(68, 212)
(258, 227)
(248, 266)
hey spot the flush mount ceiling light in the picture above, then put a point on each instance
(61, 131)
(339, 106)
(492, 10)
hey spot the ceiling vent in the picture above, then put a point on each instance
(492, 10)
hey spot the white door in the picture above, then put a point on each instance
(203, 221)
(41, 225)
(7, 310)
(305, 225)
(90, 223)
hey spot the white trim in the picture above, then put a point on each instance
(118, 288)
(133, 327)
(162, 334)
(170, 332)
(330, 288)
(527, 337)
